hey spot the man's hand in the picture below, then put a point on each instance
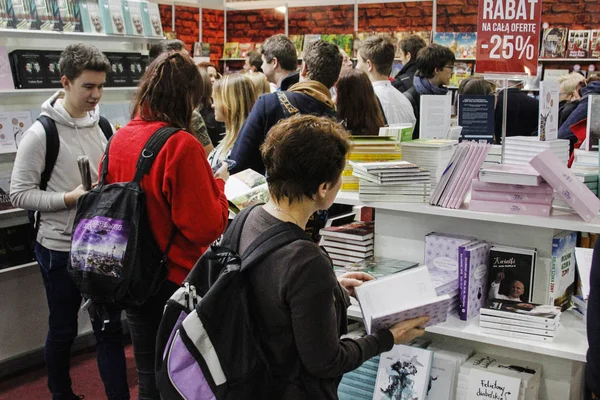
(72, 196)
(406, 331)
(350, 280)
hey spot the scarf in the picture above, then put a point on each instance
(314, 89)
(424, 86)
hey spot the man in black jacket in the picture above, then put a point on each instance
(280, 61)
(522, 115)
(408, 49)
(320, 70)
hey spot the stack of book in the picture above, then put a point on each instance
(579, 307)
(349, 243)
(521, 149)
(378, 267)
(530, 375)
(432, 155)
(511, 189)
(368, 149)
(360, 383)
(456, 179)
(494, 156)
(585, 168)
(391, 181)
(527, 321)
(447, 360)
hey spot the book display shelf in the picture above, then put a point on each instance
(400, 230)
(23, 311)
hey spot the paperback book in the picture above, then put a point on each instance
(529, 312)
(403, 373)
(246, 188)
(113, 17)
(133, 12)
(50, 60)
(359, 231)
(119, 73)
(91, 19)
(27, 69)
(244, 48)
(466, 45)
(551, 326)
(48, 15)
(7, 15)
(554, 42)
(501, 326)
(562, 273)
(70, 15)
(25, 15)
(592, 134)
(511, 273)
(472, 272)
(231, 50)
(578, 44)
(446, 39)
(152, 22)
(379, 267)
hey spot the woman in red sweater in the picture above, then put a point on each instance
(181, 191)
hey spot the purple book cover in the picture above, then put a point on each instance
(463, 273)
(476, 259)
(441, 251)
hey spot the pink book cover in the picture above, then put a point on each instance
(467, 169)
(472, 171)
(527, 198)
(571, 189)
(499, 207)
(543, 188)
(458, 173)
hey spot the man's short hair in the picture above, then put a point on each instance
(79, 57)
(164, 46)
(380, 51)
(281, 48)
(323, 62)
(433, 57)
(255, 60)
(301, 153)
(412, 44)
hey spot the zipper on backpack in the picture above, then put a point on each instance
(194, 299)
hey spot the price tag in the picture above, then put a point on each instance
(508, 36)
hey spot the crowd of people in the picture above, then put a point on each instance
(297, 135)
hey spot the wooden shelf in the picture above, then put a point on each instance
(558, 220)
(18, 267)
(18, 33)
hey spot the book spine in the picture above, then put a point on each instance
(572, 190)
(519, 329)
(517, 335)
(539, 210)
(516, 316)
(526, 198)
(515, 322)
(464, 266)
(553, 270)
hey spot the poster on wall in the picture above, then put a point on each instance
(508, 36)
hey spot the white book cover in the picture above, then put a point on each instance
(436, 112)
(487, 385)
(13, 125)
(403, 373)
(401, 296)
(514, 328)
(443, 376)
(548, 117)
(516, 322)
(528, 372)
(517, 335)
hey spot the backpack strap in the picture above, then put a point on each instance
(151, 150)
(286, 106)
(106, 127)
(274, 238)
(52, 147)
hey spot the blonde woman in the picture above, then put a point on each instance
(233, 96)
(261, 84)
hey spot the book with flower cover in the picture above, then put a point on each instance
(356, 231)
(578, 45)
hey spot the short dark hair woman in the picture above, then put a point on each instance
(297, 301)
(181, 191)
(357, 105)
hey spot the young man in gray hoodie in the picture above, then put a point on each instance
(75, 112)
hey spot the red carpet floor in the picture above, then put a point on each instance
(31, 384)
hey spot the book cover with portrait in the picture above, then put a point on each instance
(511, 274)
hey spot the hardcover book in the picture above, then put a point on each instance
(50, 61)
(201, 49)
(25, 15)
(447, 39)
(510, 174)
(27, 69)
(515, 328)
(501, 207)
(480, 186)
(511, 273)
(7, 15)
(6, 76)
(133, 11)
(578, 44)
(113, 18)
(17, 245)
(356, 231)
(136, 65)
(571, 189)
(517, 335)
(119, 74)
(441, 251)
(91, 19)
(529, 312)
(152, 22)
(403, 373)
(548, 110)
(554, 42)
(595, 43)
(562, 274)
(48, 15)
(70, 15)
(443, 376)
(473, 271)
(476, 116)
(466, 45)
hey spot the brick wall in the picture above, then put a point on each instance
(452, 16)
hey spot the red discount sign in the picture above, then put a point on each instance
(508, 36)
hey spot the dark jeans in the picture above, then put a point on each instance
(143, 325)
(64, 301)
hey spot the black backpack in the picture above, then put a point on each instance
(114, 258)
(208, 345)
(52, 148)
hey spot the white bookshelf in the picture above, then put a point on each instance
(18, 267)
